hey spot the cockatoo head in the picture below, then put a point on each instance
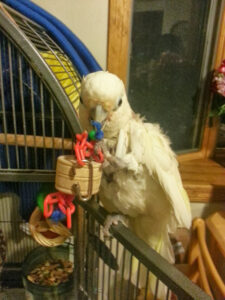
(103, 95)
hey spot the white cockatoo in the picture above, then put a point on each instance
(142, 180)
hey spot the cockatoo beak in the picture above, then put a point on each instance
(99, 114)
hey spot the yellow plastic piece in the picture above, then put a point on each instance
(66, 75)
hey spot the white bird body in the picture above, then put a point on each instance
(146, 185)
(139, 190)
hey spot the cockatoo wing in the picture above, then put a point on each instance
(152, 148)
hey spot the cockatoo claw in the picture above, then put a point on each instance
(113, 219)
(113, 164)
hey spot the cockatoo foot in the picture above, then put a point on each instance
(113, 164)
(117, 162)
(113, 219)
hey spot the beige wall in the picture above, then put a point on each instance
(88, 19)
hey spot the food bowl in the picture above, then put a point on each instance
(37, 257)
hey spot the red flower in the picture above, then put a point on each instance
(218, 82)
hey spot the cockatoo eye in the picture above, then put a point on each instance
(120, 101)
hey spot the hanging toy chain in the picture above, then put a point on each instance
(85, 146)
(57, 206)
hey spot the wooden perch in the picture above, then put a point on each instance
(35, 141)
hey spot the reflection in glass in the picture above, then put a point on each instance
(166, 55)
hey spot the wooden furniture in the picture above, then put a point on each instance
(202, 269)
(204, 180)
(216, 225)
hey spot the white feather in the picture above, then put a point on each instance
(121, 144)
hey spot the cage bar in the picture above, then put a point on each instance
(166, 275)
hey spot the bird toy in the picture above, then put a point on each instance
(97, 133)
(57, 206)
(85, 145)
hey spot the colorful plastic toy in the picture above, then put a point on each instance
(57, 206)
(45, 189)
(98, 132)
(85, 145)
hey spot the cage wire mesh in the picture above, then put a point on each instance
(33, 129)
(34, 121)
(39, 115)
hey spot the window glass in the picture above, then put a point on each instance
(168, 39)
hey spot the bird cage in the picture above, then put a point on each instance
(40, 87)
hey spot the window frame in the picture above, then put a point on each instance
(119, 36)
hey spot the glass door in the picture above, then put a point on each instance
(170, 64)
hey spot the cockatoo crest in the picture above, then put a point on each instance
(104, 96)
(102, 88)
